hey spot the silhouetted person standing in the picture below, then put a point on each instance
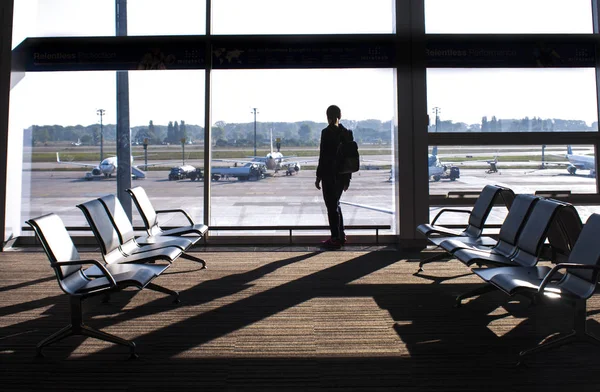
(333, 184)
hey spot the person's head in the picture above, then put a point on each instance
(334, 114)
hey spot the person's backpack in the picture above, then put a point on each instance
(347, 158)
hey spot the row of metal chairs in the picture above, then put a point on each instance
(533, 224)
(127, 261)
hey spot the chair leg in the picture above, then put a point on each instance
(55, 337)
(486, 288)
(78, 328)
(431, 259)
(193, 258)
(161, 289)
(579, 333)
(95, 333)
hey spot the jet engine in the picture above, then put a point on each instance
(96, 171)
(571, 169)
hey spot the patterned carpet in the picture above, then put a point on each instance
(289, 320)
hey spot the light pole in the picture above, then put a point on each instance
(254, 111)
(101, 113)
(183, 150)
(146, 153)
(437, 111)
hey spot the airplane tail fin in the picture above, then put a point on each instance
(434, 150)
(271, 140)
(569, 150)
(57, 158)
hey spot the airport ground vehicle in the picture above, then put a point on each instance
(181, 172)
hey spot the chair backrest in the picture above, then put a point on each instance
(145, 208)
(103, 229)
(563, 233)
(586, 251)
(57, 242)
(119, 218)
(514, 222)
(483, 206)
(535, 230)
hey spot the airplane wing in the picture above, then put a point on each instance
(75, 163)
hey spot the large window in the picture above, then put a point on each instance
(167, 133)
(160, 17)
(524, 169)
(512, 100)
(57, 116)
(63, 18)
(302, 17)
(290, 105)
(508, 16)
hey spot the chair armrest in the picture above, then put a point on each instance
(448, 210)
(189, 218)
(561, 266)
(98, 264)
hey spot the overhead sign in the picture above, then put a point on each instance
(304, 55)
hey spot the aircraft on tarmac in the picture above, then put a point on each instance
(583, 162)
(274, 160)
(77, 143)
(106, 168)
(437, 170)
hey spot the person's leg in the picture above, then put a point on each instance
(332, 203)
(341, 231)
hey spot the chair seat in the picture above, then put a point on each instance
(162, 240)
(198, 228)
(117, 269)
(428, 229)
(513, 280)
(451, 244)
(473, 256)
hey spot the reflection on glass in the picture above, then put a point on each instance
(547, 169)
(508, 16)
(266, 144)
(512, 100)
(302, 17)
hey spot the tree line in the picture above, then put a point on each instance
(302, 133)
(526, 124)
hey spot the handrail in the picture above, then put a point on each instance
(290, 228)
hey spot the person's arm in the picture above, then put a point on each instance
(320, 164)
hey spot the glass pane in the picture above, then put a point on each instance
(524, 169)
(512, 100)
(157, 17)
(166, 107)
(302, 17)
(290, 106)
(508, 16)
(62, 18)
(57, 115)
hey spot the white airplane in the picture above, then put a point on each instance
(437, 170)
(274, 160)
(583, 162)
(77, 143)
(106, 168)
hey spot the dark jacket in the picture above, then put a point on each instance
(330, 139)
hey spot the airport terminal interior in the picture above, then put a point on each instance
(209, 113)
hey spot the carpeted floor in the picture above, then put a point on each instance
(289, 320)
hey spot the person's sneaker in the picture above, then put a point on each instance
(331, 244)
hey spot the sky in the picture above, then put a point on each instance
(296, 95)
